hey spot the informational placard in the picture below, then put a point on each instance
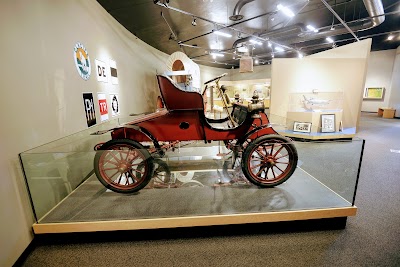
(89, 109)
(103, 107)
(115, 106)
(113, 72)
(102, 71)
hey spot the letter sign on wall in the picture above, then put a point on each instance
(115, 106)
(103, 107)
(101, 71)
(89, 109)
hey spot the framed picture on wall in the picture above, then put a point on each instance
(328, 123)
(304, 127)
(374, 93)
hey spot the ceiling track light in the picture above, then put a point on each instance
(285, 11)
(390, 37)
(279, 49)
(243, 49)
(312, 28)
(222, 34)
(214, 55)
(329, 39)
(194, 23)
(255, 42)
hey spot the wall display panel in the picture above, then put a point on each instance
(196, 184)
(374, 93)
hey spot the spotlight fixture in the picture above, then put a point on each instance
(279, 49)
(222, 34)
(255, 42)
(390, 37)
(285, 11)
(312, 28)
(269, 44)
(194, 23)
(215, 55)
(243, 49)
(329, 39)
(256, 61)
(300, 55)
(272, 55)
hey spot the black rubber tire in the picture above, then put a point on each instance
(132, 162)
(266, 151)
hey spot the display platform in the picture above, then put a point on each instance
(201, 190)
(209, 202)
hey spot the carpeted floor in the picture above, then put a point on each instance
(372, 238)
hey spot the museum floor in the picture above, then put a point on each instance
(371, 238)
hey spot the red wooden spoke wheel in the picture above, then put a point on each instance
(123, 166)
(269, 160)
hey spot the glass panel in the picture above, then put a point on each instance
(194, 179)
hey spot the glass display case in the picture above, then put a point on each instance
(195, 184)
(315, 112)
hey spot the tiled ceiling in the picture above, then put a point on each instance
(265, 30)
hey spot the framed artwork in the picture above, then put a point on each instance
(374, 93)
(328, 123)
(304, 127)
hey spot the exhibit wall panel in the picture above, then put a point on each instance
(325, 73)
(42, 90)
(260, 72)
(207, 73)
(379, 74)
(394, 98)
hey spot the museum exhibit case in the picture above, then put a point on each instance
(316, 115)
(194, 184)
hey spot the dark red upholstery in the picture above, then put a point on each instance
(176, 99)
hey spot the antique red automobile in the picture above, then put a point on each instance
(126, 163)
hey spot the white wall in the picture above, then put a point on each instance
(41, 91)
(379, 74)
(260, 72)
(341, 69)
(394, 100)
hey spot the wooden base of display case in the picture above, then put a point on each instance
(158, 223)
